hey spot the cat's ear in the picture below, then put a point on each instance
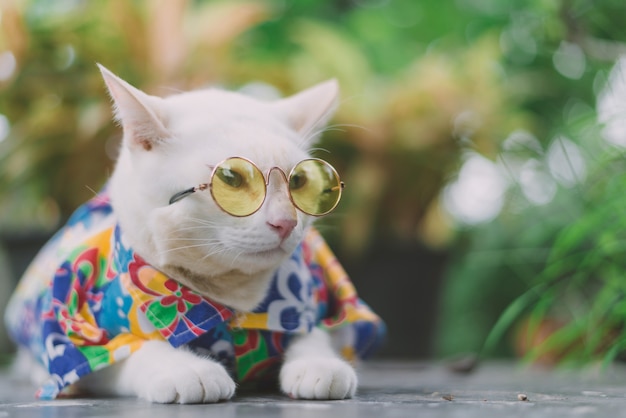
(311, 108)
(137, 112)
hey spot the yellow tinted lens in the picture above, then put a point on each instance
(238, 187)
(315, 187)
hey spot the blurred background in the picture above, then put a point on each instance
(482, 144)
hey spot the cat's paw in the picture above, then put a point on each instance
(197, 381)
(318, 378)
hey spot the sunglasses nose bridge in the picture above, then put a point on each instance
(281, 174)
(277, 186)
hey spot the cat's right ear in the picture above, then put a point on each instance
(137, 112)
(310, 109)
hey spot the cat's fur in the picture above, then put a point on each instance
(169, 145)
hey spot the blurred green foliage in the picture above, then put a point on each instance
(545, 281)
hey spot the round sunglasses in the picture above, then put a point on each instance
(239, 187)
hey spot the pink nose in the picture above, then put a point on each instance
(283, 227)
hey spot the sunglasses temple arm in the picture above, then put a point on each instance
(180, 195)
(335, 188)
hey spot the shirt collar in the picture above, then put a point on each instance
(180, 314)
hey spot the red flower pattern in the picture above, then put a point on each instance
(179, 296)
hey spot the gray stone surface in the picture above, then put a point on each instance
(388, 389)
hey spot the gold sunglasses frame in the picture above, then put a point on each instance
(266, 177)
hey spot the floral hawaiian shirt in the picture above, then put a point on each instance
(88, 300)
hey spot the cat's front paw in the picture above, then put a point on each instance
(199, 381)
(318, 378)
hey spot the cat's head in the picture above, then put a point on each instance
(172, 144)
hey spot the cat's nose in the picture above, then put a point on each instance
(283, 227)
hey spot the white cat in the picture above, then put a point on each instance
(167, 209)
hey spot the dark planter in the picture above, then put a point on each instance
(21, 248)
(16, 253)
(401, 282)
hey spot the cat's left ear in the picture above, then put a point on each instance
(311, 108)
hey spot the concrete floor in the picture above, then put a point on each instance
(388, 389)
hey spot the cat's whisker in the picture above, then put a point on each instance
(217, 251)
(203, 225)
(312, 150)
(232, 263)
(184, 247)
(312, 134)
(195, 228)
(306, 138)
(200, 220)
(322, 117)
(95, 193)
(336, 127)
(203, 221)
(206, 240)
(197, 222)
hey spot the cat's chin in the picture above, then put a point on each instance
(264, 257)
(271, 254)
(255, 262)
